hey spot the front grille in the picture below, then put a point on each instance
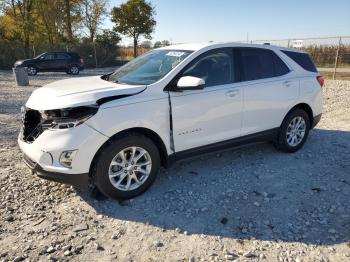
(33, 125)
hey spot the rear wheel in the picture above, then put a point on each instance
(294, 131)
(74, 70)
(127, 166)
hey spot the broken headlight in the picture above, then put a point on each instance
(68, 117)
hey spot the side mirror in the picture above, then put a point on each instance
(190, 83)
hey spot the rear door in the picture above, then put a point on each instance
(203, 117)
(61, 61)
(269, 89)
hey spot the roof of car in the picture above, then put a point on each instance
(199, 46)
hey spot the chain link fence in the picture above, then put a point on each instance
(330, 54)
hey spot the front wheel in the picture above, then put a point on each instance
(127, 166)
(294, 131)
(32, 71)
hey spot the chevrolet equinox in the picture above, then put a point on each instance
(116, 130)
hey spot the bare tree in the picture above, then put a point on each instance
(93, 12)
(67, 10)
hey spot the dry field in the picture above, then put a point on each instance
(247, 204)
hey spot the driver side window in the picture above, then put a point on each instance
(49, 57)
(214, 67)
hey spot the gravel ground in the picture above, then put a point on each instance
(247, 204)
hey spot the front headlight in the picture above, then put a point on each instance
(69, 117)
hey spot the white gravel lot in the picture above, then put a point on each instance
(248, 204)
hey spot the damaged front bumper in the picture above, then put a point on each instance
(43, 151)
(81, 181)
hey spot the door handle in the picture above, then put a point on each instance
(232, 93)
(287, 83)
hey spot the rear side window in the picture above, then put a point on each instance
(302, 59)
(62, 56)
(260, 63)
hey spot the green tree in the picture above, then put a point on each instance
(134, 19)
(107, 42)
(108, 39)
(157, 44)
(165, 42)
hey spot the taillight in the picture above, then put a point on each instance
(320, 80)
(81, 61)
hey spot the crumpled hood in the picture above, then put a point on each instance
(77, 92)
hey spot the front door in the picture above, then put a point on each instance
(213, 114)
(47, 62)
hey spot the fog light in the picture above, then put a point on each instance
(46, 159)
(66, 158)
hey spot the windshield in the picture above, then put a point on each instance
(148, 68)
(39, 56)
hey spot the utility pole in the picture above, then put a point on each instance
(95, 53)
(336, 59)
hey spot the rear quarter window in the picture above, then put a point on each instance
(302, 59)
(74, 55)
(280, 67)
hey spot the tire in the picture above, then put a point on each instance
(32, 70)
(113, 151)
(74, 70)
(285, 142)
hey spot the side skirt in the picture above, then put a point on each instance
(263, 136)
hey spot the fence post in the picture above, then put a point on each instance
(336, 59)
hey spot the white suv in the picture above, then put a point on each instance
(116, 130)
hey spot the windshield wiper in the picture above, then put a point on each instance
(118, 82)
(106, 77)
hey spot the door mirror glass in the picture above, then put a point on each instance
(190, 83)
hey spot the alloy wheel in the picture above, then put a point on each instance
(74, 70)
(296, 131)
(130, 168)
(31, 70)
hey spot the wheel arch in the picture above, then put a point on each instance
(32, 64)
(303, 106)
(156, 139)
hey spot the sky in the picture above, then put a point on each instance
(183, 21)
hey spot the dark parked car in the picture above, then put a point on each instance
(71, 63)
